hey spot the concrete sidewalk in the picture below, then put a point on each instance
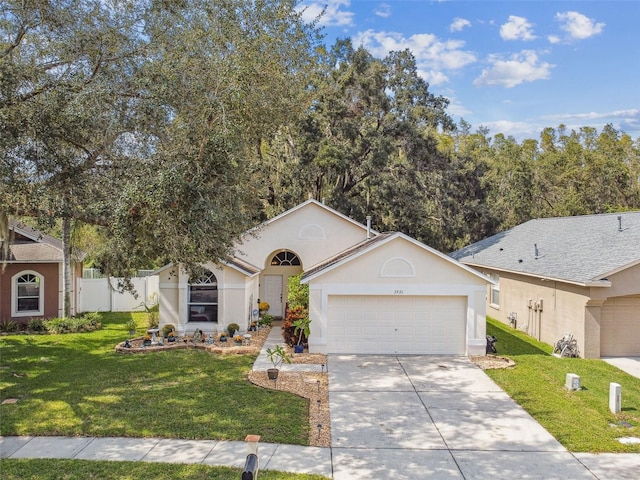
(292, 458)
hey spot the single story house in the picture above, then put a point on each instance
(31, 275)
(369, 292)
(578, 275)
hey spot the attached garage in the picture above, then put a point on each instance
(397, 324)
(396, 296)
(620, 327)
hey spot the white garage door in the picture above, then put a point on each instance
(620, 327)
(396, 324)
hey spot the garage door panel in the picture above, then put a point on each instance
(397, 325)
(620, 327)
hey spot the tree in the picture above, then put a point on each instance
(144, 117)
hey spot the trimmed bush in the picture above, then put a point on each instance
(36, 325)
(232, 328)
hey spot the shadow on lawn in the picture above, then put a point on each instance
(512, 342)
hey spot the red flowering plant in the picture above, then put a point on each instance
(289, 331)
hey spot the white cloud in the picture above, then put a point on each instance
(578, 26)
(554, 39)
(517, 130)
(517, 28)
(521, 67)
(331, 13)
(627, 115)
(383, 10)
(458, 24)
(433, 56)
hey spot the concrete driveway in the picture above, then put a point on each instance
(409, 417)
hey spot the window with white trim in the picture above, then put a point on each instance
(495, 290)
(27, 294)
(203, 299)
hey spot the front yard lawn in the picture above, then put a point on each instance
(580, 420)
(75, 384)
(50, 469)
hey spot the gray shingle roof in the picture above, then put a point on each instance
(30, 245)
(581, 249)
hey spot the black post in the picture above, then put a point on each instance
(250, 467)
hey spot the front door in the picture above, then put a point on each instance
(273, 294)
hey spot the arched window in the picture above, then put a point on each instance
(203, 299)
(28, 294)
(285, 259)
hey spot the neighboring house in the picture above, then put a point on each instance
(369, 292)
(31, 281)
(578, 275)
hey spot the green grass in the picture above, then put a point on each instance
(75, 384)
(580, 420)
(45, 469)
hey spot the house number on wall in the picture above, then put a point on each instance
(398, 292)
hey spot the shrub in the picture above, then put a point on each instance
(289, 331)
(153, 317)
(8, 326)
(84, 323)
(232, 328)
(57, 325)
(167, 329)
(36, 325)
(92, 319)
(298, 293)
(265, 320)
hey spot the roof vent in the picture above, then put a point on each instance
(619, 223)
(535, 249)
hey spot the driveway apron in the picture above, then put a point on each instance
(408, 417)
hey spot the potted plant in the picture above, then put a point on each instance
(301, 329)
(232, 328)
(171, 336)
(276, 356)
(263, 307)
(167, 329)
(131, 326)
(238, 339)
(146, 341)
(223, 337)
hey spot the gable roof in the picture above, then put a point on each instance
(311, 201)
(583, 250)
(373, 243)
(29, 245)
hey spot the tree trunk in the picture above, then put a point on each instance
(67, 287)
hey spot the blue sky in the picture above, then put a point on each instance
(514, 67)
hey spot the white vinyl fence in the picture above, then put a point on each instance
(103, 294)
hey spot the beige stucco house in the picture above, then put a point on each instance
(369, 292)
(578, 275)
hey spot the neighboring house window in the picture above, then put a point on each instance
(495, 290)
(203, 299)
(28, 294)
(285, 259)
